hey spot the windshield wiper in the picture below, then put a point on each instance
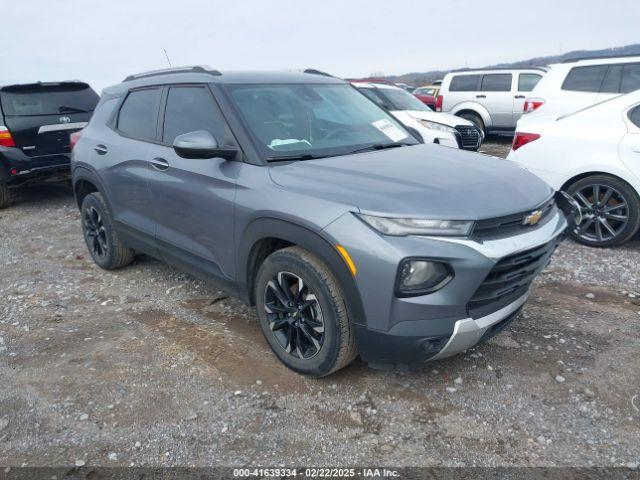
(378, 146)
(69, 108)
(302, 156)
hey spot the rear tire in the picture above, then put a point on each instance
(5, 198)
(103, 241)
(475, 119)
(315, 340)
(611, 217)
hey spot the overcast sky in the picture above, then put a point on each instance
(103, 41)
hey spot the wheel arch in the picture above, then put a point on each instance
(475, 108)
(591, 173)
(85, 182)
(263, 236)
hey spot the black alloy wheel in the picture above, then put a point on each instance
(294, 315)
(95, 232)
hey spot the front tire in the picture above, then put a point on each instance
(302, 313)
(610, 209)
(102, 240)
(4, 196)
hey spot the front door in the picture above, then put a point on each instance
(193, 199)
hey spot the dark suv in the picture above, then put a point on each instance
(36, 121)
(304, 198)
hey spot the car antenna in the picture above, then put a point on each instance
(167, 55)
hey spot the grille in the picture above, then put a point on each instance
(510, 224)
(469, 136)
(509, 279)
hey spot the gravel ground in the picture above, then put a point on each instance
(148, 366)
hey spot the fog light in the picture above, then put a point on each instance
(419, 276)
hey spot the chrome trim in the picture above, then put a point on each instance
(468, 332)
(497, 249)
(62, 126)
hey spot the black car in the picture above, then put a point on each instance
(36, 121)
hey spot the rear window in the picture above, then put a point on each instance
(464, 83)
(497, 82)
(139, 114)
(634, 116)
(630, 78)
(585, 79)
(612, 79)
(527, 81)
(48, 100)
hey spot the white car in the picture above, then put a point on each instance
(575, 84)
(594, 156)
(433, 127)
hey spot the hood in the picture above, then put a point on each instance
(417, 181)
(438, 117)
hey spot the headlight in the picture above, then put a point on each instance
(418, 276)
(437, 126)
(418, 226)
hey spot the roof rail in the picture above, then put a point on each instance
(167, 71)
(539, 67)
(313, 71)
(601, 57)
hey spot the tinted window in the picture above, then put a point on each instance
(190, 109)
(526, 81)
(612, 79)
(139, 114)
(630, 78)
(48, 100)
(464, 83)
(585, 79)
(497, 82)
(634, 116)
(371, 94)
(402, 100)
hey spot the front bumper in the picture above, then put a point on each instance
(409, 331)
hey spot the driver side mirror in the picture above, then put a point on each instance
(201, 144)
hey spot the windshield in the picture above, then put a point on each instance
(48, 100)
(288, 120)
(401, 100)
(425, 91)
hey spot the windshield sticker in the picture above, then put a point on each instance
(390, 130)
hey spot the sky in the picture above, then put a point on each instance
(102, 42)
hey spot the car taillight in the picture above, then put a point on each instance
(439, 103)
(531, 104)
(521, 138)
(6, 140)
(73, 138)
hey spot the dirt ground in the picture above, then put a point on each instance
(148, 366)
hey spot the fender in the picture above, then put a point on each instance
(477, 108)
(309, 240)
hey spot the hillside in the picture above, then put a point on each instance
(425, 78)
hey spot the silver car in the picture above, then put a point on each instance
(492, 99)
(299, 195)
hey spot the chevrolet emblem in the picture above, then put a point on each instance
(533, 218)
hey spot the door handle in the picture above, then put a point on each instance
(519, 96)
(481, 96)
(101, 149)
(159, 163)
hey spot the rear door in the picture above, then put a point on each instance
(629, 147)
(462, 88)
(193, 199)
(525, 84)
(495, 94)
(41, 117)
(581, 88)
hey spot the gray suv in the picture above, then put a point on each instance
(302, 197)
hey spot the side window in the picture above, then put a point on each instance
(139, 114)
(611, 83)
(190, 109)
(496, 82)
(585, 79)
(526, 81)
(464, 83)
(630, 78)
(634, 116)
